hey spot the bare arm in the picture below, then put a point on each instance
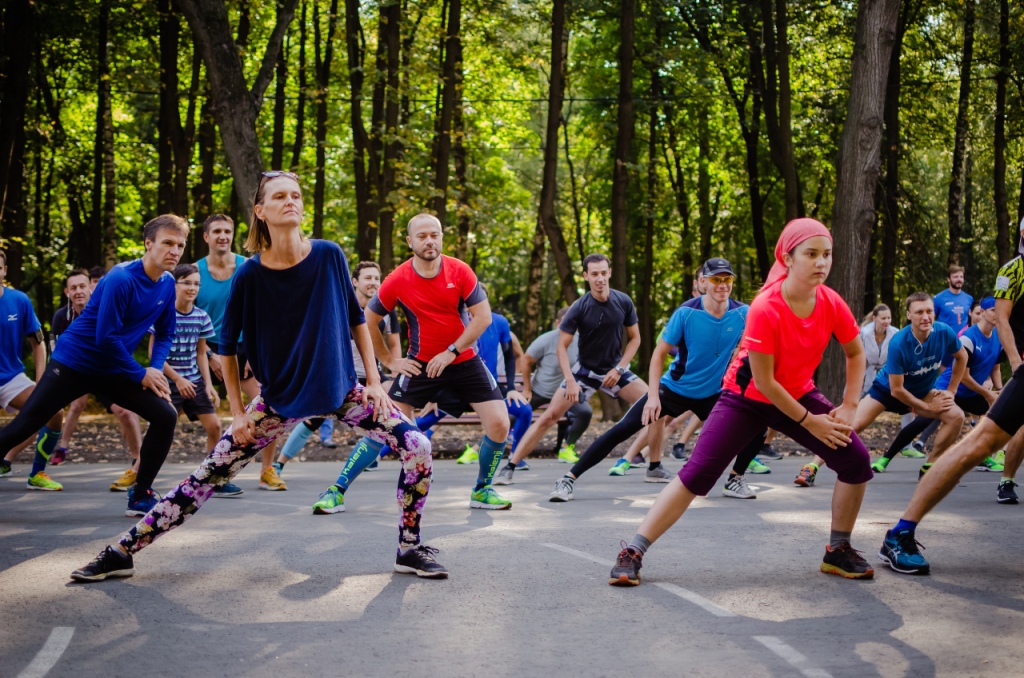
(480, 321)
(38, 354)
(652, 410)
(243, 428)
(396, 363)
(572, 389)
(959, 370)
(373, 393)
(526, 365)
(1006, 339)
(395, 345)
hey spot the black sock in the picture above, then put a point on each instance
(653, 465)
(510, 465)
(732, 474)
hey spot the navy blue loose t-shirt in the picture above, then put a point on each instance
(294, 326)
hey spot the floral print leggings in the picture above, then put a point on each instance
(228, 458)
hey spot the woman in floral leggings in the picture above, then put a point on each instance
(292, 307)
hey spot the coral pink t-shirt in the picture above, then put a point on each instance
(796, 343)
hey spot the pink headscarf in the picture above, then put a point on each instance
(792, 235)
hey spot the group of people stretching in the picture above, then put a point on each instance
(741, 370)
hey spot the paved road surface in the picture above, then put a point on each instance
(257, 586)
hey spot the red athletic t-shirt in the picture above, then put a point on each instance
(435, 308)
(796, 343)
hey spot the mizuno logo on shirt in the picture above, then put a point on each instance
(12, 316)
(159, 302)
(926, 369)
(451, 285)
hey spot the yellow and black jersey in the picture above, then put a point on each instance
(1010, 285)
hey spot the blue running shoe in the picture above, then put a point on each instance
(522, 466)
(140, 502)
(900, 552)
(227, 490)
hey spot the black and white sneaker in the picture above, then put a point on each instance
(420, 562)
(1005, 493)
(562, 491)
(110, 563)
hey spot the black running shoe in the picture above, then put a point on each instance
(769, 452)
(846, 561)
(110, 563)
(1005, 494)
(420, 562)
(627, 569)
(679, 452)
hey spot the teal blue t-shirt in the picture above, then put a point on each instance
(920, 363)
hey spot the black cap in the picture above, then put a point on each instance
(717, 266)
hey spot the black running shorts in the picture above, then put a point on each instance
(465, 382)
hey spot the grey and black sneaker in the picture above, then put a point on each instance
(737, 488)
(5, 468)
(769, 452)
(1005, 493)
(658, 475)
(679, 452)
(846, 561)
(627, 568)
(110, 563)
(504, 476)
(562, 491)
(420, 562)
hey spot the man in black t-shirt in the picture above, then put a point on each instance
(598, 317)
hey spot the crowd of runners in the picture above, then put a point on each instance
(298, 339)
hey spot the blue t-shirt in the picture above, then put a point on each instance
(124, 305)
(294, 325)
(213, 294)
(17, 321)
(919, 363)
(189, 328)
(982, 355)
(705, 346)
(953, 309)
(495, 343)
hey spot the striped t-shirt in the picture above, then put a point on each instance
(189, 328)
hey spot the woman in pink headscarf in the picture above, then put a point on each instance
(770, 385)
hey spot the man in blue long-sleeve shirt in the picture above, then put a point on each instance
(94, 355)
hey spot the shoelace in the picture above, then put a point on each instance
(847, 547)
(427, 552)
(627, 557)
(908, 544)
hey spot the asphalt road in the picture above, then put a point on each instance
(257, 586)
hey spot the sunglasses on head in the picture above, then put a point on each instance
(721, 279)
(278, 173)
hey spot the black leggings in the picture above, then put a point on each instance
(970, 405)
(577, 420)
(60, 385)
(631, 423)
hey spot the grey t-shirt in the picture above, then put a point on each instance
(547, 376)
(389, 325)
(599, 327)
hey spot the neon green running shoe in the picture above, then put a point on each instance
(880, 465)
(469, 456)
(488, 499)
(331, 501)
(913, 452)
(757, 467)
(41, 481)
(621, 468)
(1000, 457)
(567, 455)
(990, 464)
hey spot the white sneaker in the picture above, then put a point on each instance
(737, 488)
(658, 475)
(504, 477)
(562, 491)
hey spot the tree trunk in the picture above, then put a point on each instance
(202, 192)
(646, 316)
(300, 106)
(577, 213)
(18, 39)
(853, 214)
(391, 35)
(459, 155)
(535, 278)
(778, 101)
(443, 138)
(277, 140)
(109, 241)
(705, 218)
(968, 258)
(92, 254)
(623, 141)
(955, 202)
(174, 149)
(1004, 247)
(682, 200)
(546, 216)
(235, 106)
(360, 140)
(323, 78)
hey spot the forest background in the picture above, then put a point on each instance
(658, 132)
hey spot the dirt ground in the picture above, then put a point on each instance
(98, 440)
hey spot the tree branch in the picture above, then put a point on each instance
(285, 14)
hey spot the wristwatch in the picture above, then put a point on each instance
(454, 350)
(620, 369)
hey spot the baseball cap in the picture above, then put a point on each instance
(717, 266)
(987, 303)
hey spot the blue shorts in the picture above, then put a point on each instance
(885, 397)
